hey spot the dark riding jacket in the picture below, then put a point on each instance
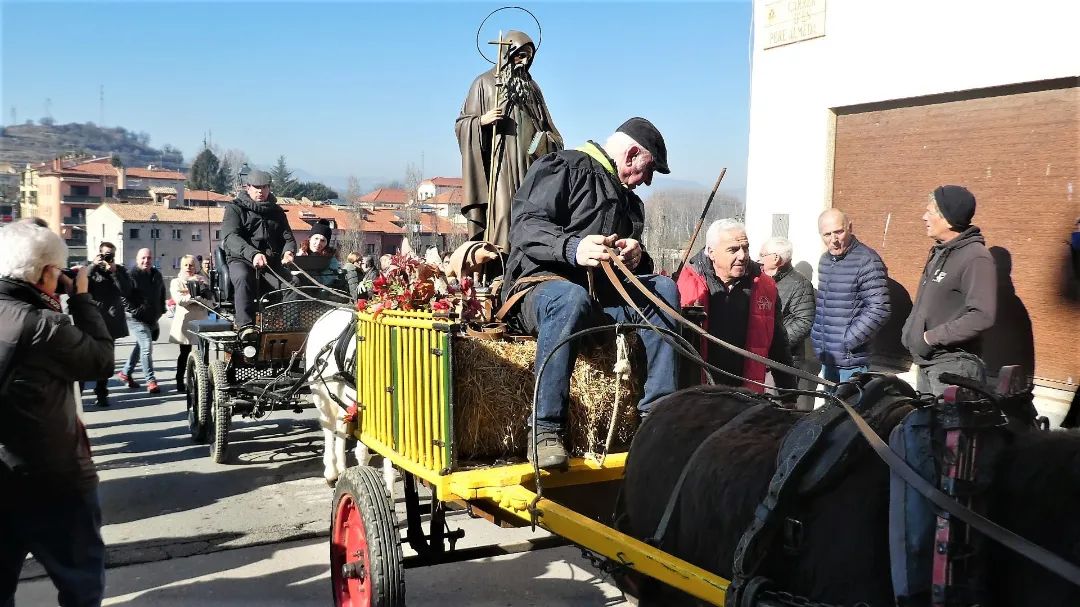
(250, 228)
(566, 196)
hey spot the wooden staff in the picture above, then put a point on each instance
(496, 137)
(701, 220)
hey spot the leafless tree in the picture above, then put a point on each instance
(351, 237)
(670, 217)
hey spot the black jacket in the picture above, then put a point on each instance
(565, 196)
(44, 352)
(145, 301)
(250, 228)
(797, 305)
(957, 299)
(109, 290)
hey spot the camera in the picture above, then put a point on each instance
(107, 257)
(70, 273)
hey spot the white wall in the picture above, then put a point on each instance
(876, 50)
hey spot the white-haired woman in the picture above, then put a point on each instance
(189, 308)
(47, 477)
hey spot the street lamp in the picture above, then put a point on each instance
(153, 223)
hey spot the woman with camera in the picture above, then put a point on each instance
(189, 290)
(50, 506)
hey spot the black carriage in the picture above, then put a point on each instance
(228, 376)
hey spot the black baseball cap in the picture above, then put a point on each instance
(646, 134)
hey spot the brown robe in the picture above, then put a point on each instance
(517, 129)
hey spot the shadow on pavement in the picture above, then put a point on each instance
(132, 498)
(241, 577)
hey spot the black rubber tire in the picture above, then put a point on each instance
(221, 414)
(361, 491)
(198, 396)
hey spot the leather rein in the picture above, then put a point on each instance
(1009, 539)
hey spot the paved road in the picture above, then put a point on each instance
(183, 530)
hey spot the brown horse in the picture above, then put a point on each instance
(843, 555)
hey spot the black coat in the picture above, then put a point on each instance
(109, 290)
(145, 301)
(567, 195)
(249, 228)
(797, 304)
(44, 352)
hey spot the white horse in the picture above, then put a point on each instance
(329, 390)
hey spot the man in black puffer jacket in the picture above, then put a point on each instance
(257, 240)
(957, 297)
(48, 481)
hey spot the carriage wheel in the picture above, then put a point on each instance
(220, 413)
(365, 550)
(198, 397)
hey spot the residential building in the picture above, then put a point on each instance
(63, 191)
(169, 230)
(9, 192)
(850, 113)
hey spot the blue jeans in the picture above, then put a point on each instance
(841, 374)
(555, 309)
(143, 352)
(63, 532)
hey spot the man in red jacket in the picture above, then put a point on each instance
(741, 306)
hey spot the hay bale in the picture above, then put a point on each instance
(493, 388)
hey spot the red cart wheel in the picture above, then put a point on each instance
(365, 550)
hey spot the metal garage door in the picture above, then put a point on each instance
(1017, 149)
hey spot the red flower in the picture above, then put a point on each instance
(350, 413)
(361, 305)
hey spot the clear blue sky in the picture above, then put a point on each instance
(363, 88)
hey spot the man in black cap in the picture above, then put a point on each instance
(257, 240)
(957, 296)
(572, 206)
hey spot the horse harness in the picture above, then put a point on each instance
(816, 448)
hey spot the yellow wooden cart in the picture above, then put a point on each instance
(405, 398)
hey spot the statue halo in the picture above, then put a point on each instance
(539, 30)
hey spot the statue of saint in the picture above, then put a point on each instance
(503, 126)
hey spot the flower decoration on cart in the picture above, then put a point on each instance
(411, 284)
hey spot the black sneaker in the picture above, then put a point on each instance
(102, 401)
(550, 452)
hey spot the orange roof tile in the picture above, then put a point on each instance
(142, 212)
(386, 196)
(447, 182)
(107, 170)
(433, 223)
(455, 196)
(206, 195)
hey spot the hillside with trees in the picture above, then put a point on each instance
(30, 142)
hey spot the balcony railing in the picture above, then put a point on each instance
(82, 199)
(73, 221)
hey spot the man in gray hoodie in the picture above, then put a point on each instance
(957, 297)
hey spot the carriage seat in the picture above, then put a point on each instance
(210, 326)
(224, 286)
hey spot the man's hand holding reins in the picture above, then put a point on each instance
(630, 252)
(287, 257)
(593, 249)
